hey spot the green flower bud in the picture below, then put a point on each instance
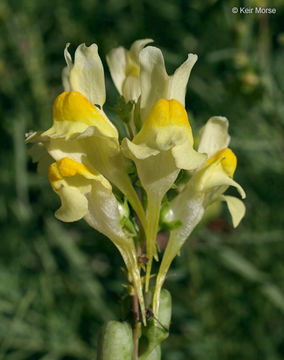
(115, 341)
(165, 222)
(157, 328)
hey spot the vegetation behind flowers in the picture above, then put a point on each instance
(56, 279)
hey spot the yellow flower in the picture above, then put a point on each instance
(85, 193)
(125, 69)
(163, 146)
(207, 185)
(82, 132)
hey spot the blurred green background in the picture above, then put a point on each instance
(59, 282)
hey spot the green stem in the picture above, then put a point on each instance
(135, 310)
(128, 252)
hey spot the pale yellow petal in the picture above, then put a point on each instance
(65, 79)
(214, 136)
(103, 214)
(65, 75)
(187, 158)
(137, 47)
(156, 84)
(74, 205)
(116, 60)
(178, 81)
(131, 88)
(87, 74)
(154, 79)
(133, 151)
(68, 57)
(236, 207)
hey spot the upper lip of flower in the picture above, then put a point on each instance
(86, 75)
(157, 84)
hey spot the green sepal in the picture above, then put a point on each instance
(115, 341)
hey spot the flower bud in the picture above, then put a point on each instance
(115, 341)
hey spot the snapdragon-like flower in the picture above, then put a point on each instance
(163, 146)
(82, 132)
(207, 185)
(125, 69)
(85, 193)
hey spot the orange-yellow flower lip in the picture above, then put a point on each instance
(166, 114)
(73, 106)
(65, 167)
(228, 160)
(74, 113)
